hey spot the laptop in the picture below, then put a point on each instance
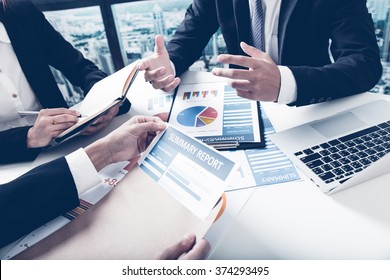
(343, 150)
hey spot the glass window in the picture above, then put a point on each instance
(84, 29)
(379, 10)
(138, 22)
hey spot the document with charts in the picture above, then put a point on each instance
(215, 114)
(192, 172)
(262, 167)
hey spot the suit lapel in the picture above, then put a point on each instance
(286, 9)
(242, 20)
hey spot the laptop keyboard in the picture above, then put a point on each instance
(339, 159)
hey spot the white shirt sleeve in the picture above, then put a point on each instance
(288, 87)
(173, 68)
(83, 171)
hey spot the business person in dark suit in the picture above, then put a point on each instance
(52, 189)
(294, 67)
(28, 46)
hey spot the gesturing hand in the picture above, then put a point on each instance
(260, 82)
(158, 69)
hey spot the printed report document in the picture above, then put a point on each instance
(193, 173)
(176, 188)
(215, 114)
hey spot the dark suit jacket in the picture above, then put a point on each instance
(37, 45)
(35, 198)
(305, 28)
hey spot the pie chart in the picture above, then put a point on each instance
(197, 116)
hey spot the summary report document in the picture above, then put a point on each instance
(176, 188)
(103, 96)
(189, 170)
(215, 114)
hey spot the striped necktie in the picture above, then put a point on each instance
(257, 25)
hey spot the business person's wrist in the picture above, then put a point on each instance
(32, 141)
(99, 154)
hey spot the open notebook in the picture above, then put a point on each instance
(97, 107)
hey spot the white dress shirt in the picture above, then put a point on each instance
(17, 95)
(288, 87)
(15, 91)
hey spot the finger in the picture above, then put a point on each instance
(152, 75)
(144, 64)
(163, 116)
(163, 82)
(256, 53)
(199, 252)
(90, 130)
(245, 94)
(57, 119)
(60, 127)
(159, 47)
(103, 118)
(241, 85)
(147, 127)
(250, 50)
(59, 111)
(142, 119)
(113, 111)
(98, 126)
(233, 73)
(172, 85)
(175, 251)
(239, 60)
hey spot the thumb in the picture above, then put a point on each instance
(255, 53)
(146, 127)
(175, 251)
(159, 48)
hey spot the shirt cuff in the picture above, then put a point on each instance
(288, 86)
(83, 171)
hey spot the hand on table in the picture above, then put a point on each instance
(260, 82)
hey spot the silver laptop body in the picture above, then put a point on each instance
(342, 150)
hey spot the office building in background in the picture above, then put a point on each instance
(137, 22)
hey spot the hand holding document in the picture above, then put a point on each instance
(175, 189)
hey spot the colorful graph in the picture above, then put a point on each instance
(199, 94)
(197, 116)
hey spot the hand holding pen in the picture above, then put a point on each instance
(49, 124)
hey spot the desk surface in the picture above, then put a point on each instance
(296, 221)
(290, 220)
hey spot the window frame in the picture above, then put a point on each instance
(107, 16)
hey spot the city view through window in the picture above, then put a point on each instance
(380, 13)
(138, 22)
